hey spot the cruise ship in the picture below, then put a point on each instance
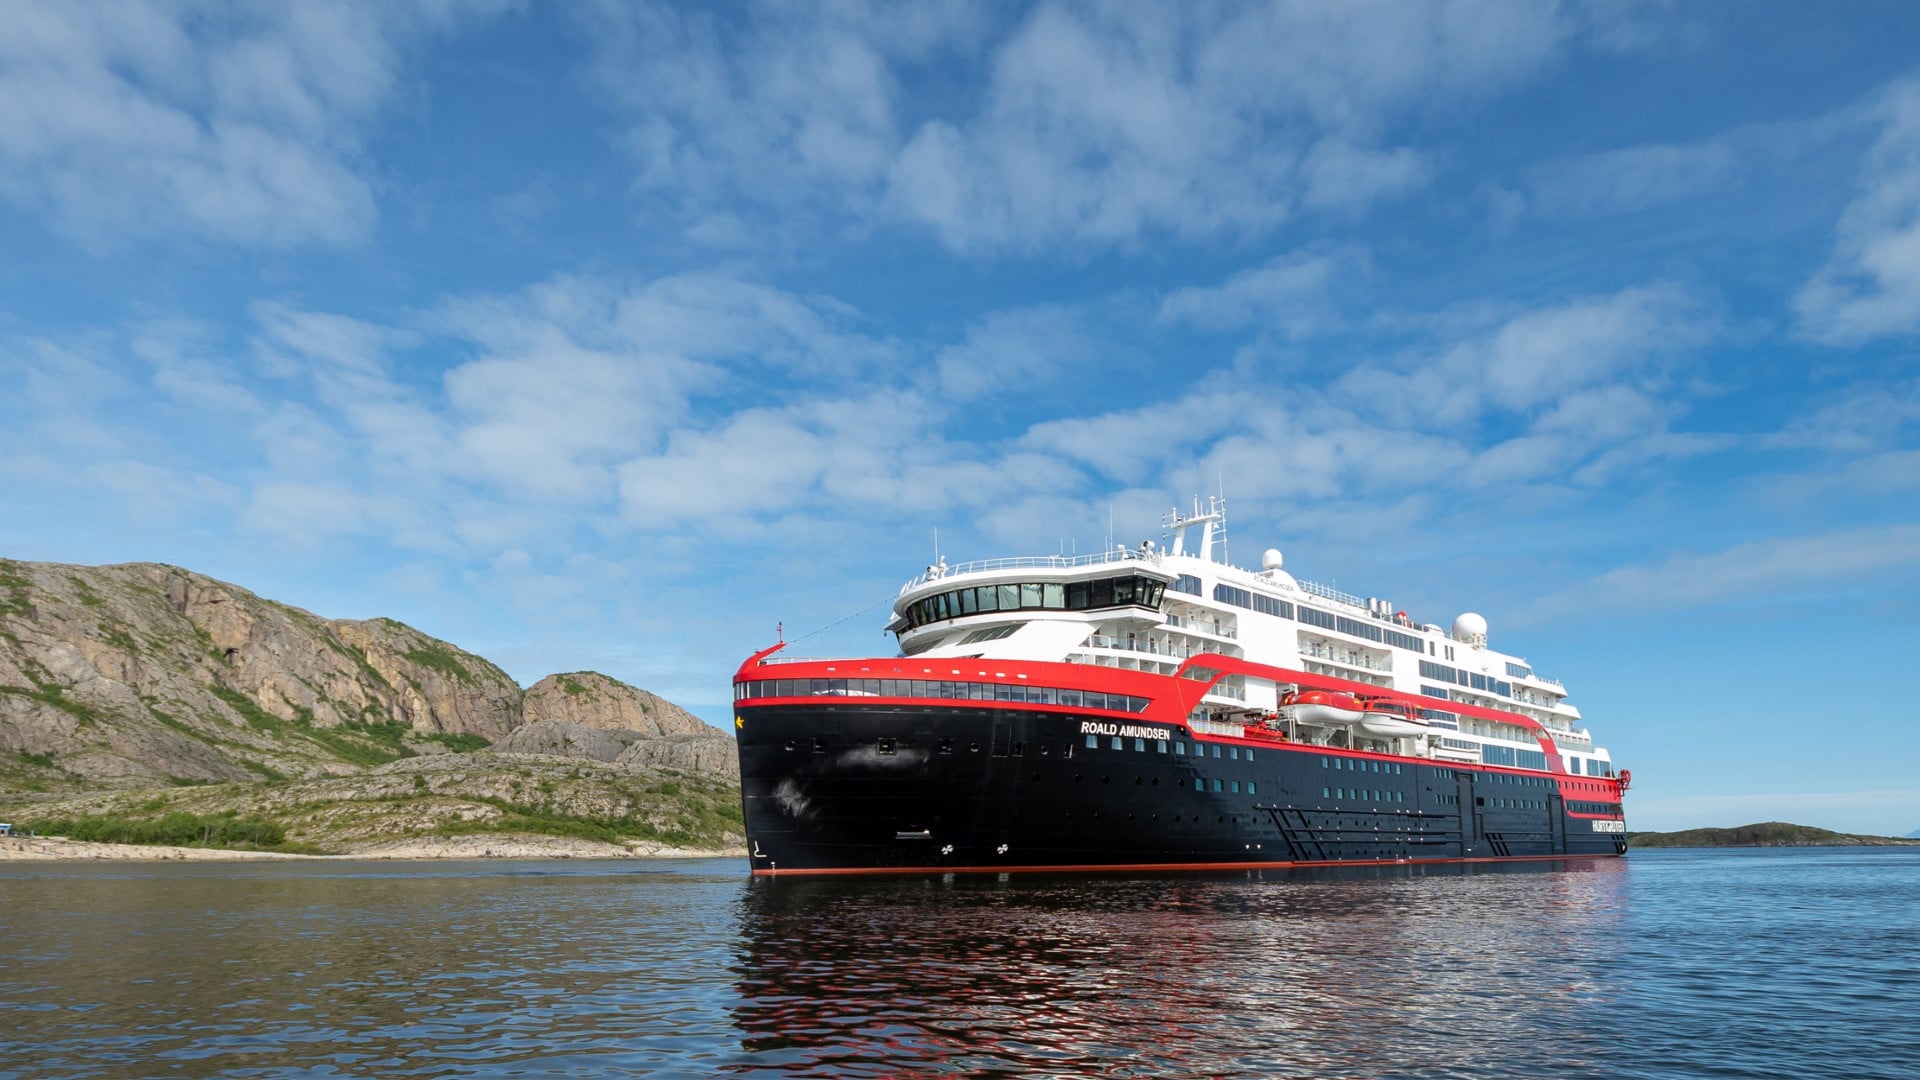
(1157, 708)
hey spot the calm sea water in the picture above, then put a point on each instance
(1782, 963)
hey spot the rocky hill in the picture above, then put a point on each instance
(143, 675)
(1761, 834)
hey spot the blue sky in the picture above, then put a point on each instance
(608, 335)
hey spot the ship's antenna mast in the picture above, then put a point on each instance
(1220, 480)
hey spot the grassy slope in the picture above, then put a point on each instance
(415, 798)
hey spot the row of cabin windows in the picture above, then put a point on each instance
(1119, 742)
(1526, 781)
(1507, 755)
(1446, 674)
(1359, 793)
(958, 690)
(1253, 601)
(1437, 717)
(1326, 620)
(1595, 808)
(1595, 766)
(1361, 765)
(1036, 596)
(1232, 786)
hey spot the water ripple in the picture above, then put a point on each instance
(1737, 964)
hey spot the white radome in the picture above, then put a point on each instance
(1271, 560)
(1469, 627)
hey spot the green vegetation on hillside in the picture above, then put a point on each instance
(16, 600)
(358, 742)
(460, 742)
(56, 696)
(424, 798)
(181, 829)
(684, 813)
(1762, 834)
(435, 657)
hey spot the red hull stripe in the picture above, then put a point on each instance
(1172, 697)
(1122, 868)
(947, 703)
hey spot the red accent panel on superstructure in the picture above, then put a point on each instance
(1232, 665)
(1171, 698)
(1141, 684)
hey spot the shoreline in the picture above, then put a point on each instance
(476, 846)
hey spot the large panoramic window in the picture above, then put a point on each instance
(1129, 591)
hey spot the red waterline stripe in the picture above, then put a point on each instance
(1128, 867)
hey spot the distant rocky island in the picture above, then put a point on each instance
(1762, 834)
(151, 704)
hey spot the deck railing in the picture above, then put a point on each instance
(1028, 562)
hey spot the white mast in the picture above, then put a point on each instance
(1213, 518)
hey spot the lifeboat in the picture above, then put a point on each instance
(1322, 707)
(1391, 720)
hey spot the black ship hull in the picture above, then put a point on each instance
(850, 786)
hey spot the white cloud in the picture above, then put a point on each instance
(1094, 125)
(1289, 293)
(1537, 364)
(1112, 445)
(238, 123)
(793, 100)
(1012, 352)
(186, 368)
(1860, 419)
(1870, 286)
(1635, 177)
(1749, 573)
(1337, 175)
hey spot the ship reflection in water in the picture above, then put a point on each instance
(1344, 972)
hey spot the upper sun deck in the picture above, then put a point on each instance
(1065, 564)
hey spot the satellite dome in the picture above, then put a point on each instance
(1270, 560)
(1470, 628)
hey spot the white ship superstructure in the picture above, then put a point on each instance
(1152, 607)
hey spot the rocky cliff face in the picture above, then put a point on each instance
(140, 674)
(593, 700)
